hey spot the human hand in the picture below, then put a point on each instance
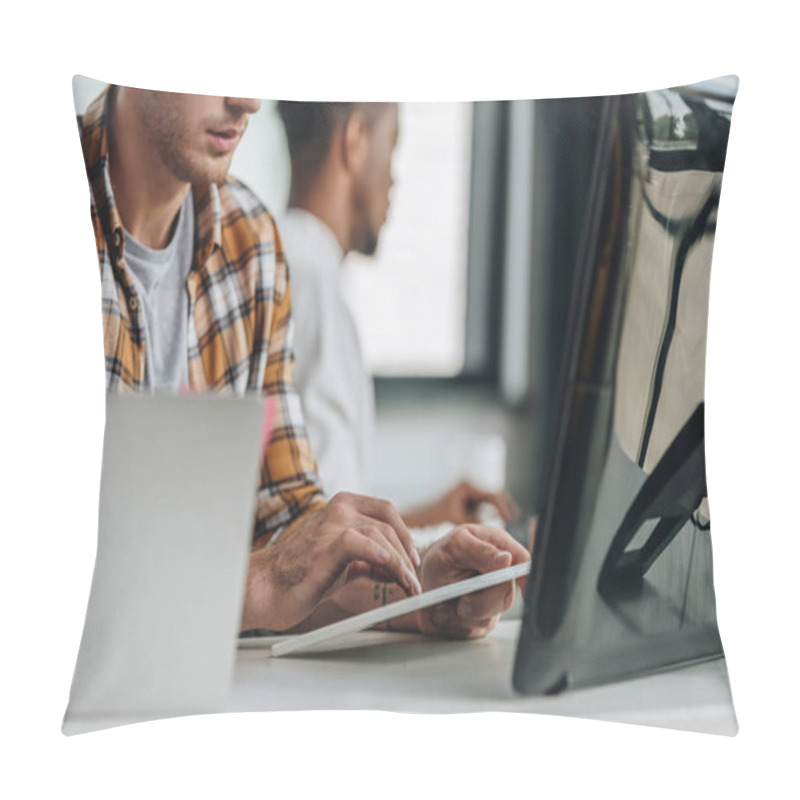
(467, 551)
(460, 506)
(533, 524)
(352, 536)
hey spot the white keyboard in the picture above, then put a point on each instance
(360, 622)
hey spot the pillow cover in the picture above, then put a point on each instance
(599, 211)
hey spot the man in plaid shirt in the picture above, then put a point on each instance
(196, 293)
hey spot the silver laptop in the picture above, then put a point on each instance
(177, 499)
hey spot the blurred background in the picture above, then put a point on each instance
(462, 379)
(461, 312)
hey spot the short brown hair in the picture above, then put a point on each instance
(310, 128)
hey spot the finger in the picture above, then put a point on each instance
(361, 544)
(373, 528)
(482, 548)
(486, 604)
(446, 622)
(505, 504)
(384, 511)
(502, 501)
(468, 553)
(471, 496)
(522, 583)
(501, 539)
(532, 525)
(479, 628)
(362, 569)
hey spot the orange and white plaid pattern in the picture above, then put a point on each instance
(240, 330)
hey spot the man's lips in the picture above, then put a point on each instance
(225, 139)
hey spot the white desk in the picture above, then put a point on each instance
(414, 673)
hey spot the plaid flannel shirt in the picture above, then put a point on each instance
(239, 306)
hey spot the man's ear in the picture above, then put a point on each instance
(355, 141)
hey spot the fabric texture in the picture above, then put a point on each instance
(335, 388)
(240, 326)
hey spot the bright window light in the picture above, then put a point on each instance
(409, 299)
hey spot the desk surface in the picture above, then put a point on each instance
(414, 673)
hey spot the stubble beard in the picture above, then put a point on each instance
(196, 169)
(365, 235)
(173, 142)
(368, 245)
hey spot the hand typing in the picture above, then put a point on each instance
(466, 551)
(351, 537)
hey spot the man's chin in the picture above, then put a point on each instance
(205, 173)
(218, 173)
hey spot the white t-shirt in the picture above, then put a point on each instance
(336, 391)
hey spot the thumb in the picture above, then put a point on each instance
(474, 552)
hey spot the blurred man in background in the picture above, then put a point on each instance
(341, 156)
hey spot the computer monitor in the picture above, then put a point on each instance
(621, 579)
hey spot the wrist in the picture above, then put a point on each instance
(258, 608)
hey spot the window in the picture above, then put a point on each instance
(409, 300)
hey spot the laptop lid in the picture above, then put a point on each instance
(177, 499)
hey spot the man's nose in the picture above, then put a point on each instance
(244, 105)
